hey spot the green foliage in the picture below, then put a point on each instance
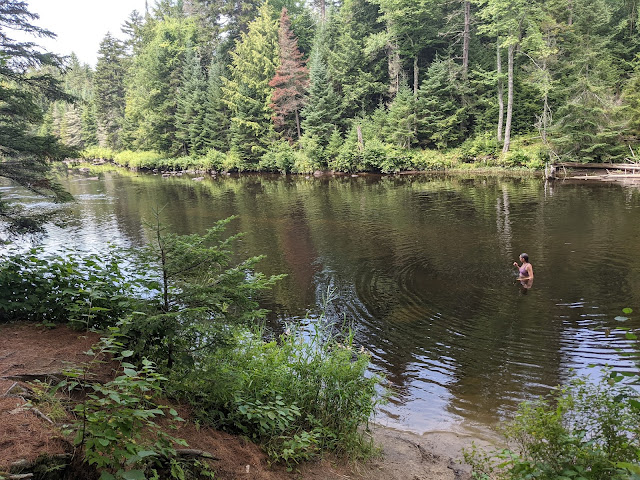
(139, 159)
(279, 158)
(247, 93)
(116, 423)
(90, 291)
(306, 392)
(95, 152)
(195, 293)
(583, 431)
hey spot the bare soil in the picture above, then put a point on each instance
(29, 352)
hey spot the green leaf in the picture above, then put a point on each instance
(627, 310)
(129, 372)
(631, 336)
(107, 476)
(127, 353)
(146, 453)
(134, 475)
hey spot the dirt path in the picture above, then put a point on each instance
(28, 351)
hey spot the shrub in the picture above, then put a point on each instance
(140, 159)
(482, 146)
(214, 160)
(95, 153)
(432, 160)
(307, 391)
(279, 158)
(583, 431)
(90, 291)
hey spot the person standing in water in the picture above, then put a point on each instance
(525, 271)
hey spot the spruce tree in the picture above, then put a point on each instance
(216, 120)
(190, 114)
(290, 81)
(24, 81)
(322, 112)
(247, 92)
(109, 91)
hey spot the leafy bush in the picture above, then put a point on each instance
(89, 291)
(279, 158)
(214, 159)
(95, 153)
(482, 146)
(432, 160)
(305, 392)
(139, 159)
(583, 431)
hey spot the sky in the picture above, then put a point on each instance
(80, 25)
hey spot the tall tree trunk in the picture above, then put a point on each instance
(360, 139)
(415, 77)
(500, 91)
(507, 127)
(323, 11)
(570, 8)
(298, 124)
(395, 65)
(466, 38)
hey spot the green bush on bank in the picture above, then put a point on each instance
(191, 314)
(298, 395)
(98, 153)
(583, 431)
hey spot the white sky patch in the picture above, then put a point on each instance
(80, 25)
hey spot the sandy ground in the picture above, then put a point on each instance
(29, 351)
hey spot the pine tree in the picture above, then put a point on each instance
(190, 114)
(290, 81)
(23, 79)
(152, 91)
(247, 92)
(109, 91)
(401, 121)
(361, 78)
(216, 121)
(440, 108)
(322, 112)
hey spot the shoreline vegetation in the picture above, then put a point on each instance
(380, 158)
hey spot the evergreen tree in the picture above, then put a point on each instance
(290, 81)
(109, 91)
(247, 92)
(23, 81)
(216, 121)
(361, 79)
(322, 112)
(190, 114)
(401, 121)
(152, 91)
(441, 111)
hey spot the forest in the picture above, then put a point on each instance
(358, 85)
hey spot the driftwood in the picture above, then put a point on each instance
(20, 476)
(190, 452)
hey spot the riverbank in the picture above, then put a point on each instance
(31, 353)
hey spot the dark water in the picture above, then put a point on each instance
(422, 266)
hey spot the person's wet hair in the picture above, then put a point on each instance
(525, 257)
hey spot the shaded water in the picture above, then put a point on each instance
(422, 266)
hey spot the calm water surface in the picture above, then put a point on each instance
(422, 266)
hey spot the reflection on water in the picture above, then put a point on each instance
(422, 266)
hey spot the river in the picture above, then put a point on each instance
(422, 266)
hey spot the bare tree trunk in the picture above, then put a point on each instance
(298, 124)
(507, 127)
(466, 38)
(415, 77)
(360, 140)
(570, 8)
(500, 91)
(323, 11)
(395, 65)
